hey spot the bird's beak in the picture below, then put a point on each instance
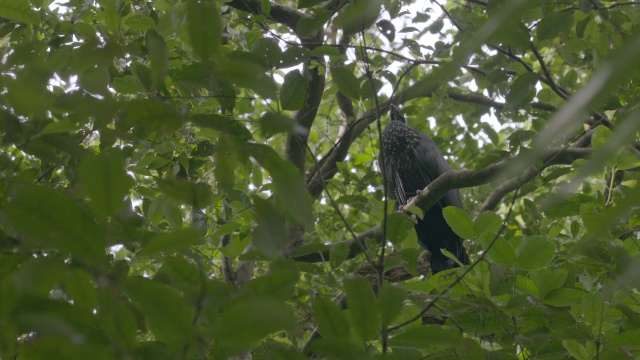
(395, 114)
(393, 110)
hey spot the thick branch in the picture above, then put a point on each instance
(485, 101)
(329, 162)
(354, 245)
(468, 178)
(296, 148)
(279, 13)
(449, 181)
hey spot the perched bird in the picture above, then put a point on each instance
(410, 161)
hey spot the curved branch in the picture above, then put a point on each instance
(339, 152)
(279, 13)
(467, 178)
(296, 147)
(449, 181)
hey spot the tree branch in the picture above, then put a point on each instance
(279, 13)
(452, 180)
(315, 183)
(467, 178)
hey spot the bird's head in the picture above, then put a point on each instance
(395, 114)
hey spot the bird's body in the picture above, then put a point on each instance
(410, 161)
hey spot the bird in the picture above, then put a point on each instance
(411, 160)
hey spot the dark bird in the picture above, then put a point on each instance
(410, 161)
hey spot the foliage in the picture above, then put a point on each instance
(198, 179)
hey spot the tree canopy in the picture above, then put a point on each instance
(195, 179)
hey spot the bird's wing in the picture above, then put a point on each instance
(395, 190)
(432, 164)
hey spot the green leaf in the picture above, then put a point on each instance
(331, 320)
(117, 318)
(346, 81)
(274, 123)
(338, 254)
(628, 339)
(167, 314)
(37, 276)
(563, 297)
(459, 221)
(292, 57)
(224, 124)
(158, 54)
(576, 350)
(526, 285)
(79, 286)
(554, 24)
(226, 162)
(110, 14)
(205, 28)
(391, 303)
(293, 91)
(290, 191)
(49, 218)
(307, 3)
(535, 252)
(345, 348)
(398, 226)
(127, 84)
(19, 11)
(269, 236)
(502, 252)
(246, 321)
(248, 73)
(522, 91)
(388, 30)
(171, 241)
(103, 178)
(487, 221)
(279, 284)
(152, 115)
(269, 50)
(425, 337)
(197, 195)
(548, 279)
(358, 16)
(266, 6)
(362, 309)
(140, 22)
(58, 127)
